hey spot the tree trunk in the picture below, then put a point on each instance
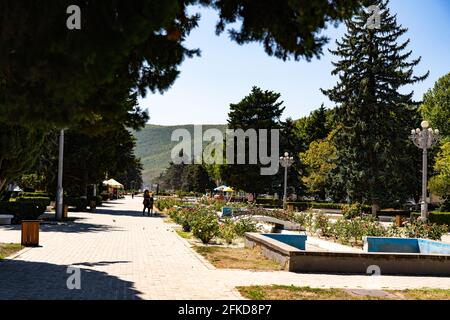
(2, 184)
(375, 207)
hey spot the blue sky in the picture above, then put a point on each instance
(226, 72)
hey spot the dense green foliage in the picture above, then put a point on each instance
(204, 223)
(439, 184)
(440, 217)
(165, 203)
(319, 161)
(374, 163)
(53, 77)
(128, 47)
(186, 177)
(88, 159)
(22, 210)
(259, 110)
(19, 149)
(436, 105)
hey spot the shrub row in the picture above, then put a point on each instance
(270, 202)
(304, 205)
(39, 201)
(164, 193)
(21, 210)
(204, 224)
(166, 203)
(440, 217)
(80, 203)
(33, 194)
(352, 230)
(202, 221)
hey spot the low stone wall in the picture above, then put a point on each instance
(297, 260)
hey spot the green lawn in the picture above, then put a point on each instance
(185, 235)
(7, 249)
(276, 292)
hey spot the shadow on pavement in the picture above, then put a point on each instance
(43, 281)
(100, 263)
(68, 227)
(133, 213)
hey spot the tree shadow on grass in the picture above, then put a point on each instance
(24, 280)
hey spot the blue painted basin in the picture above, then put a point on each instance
(406, 245)
(227, 212)
(296, 240)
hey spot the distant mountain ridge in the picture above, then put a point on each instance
(154, 145)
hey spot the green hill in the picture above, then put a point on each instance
(154, 146)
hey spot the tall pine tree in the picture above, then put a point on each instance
(261, 109)
(375, 161)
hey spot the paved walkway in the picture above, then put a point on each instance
(123, 255)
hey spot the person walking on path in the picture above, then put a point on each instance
(151, 201)
(146, 202)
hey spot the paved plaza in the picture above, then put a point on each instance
(123, 255)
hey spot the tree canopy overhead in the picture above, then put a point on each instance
(53, 76)
(286, 28)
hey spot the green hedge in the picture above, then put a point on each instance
(269, 202)
(440, 217)
(41, 201)
(22, 210)
(98, 200)
(79, 203)
(105, 196)
(304, 205)
(33, 194)
(393, 213)
(414, 215)
(164, 193)
(434, 217)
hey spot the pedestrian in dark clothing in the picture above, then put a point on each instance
(151, 201)
(146, 202)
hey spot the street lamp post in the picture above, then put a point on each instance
(59, 190)
(424, 139)
(286, 162)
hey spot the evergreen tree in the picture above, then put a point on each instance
(374, 157)
(259, 110)
(131, 177)
(315, 126)
(196, 179)
(172, 177)
(291, 142)
(89, 159)
(19, 150)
